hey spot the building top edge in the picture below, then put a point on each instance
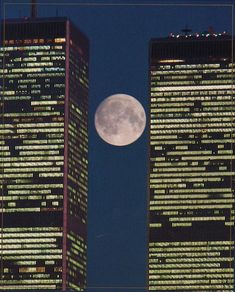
(35, 20)
(193, 37)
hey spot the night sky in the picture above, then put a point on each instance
(119, 38)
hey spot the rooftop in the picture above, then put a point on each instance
(196, 35)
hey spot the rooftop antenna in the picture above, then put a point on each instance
(33, 9)
(186, 30)
(211, 30)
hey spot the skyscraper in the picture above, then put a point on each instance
(44, 145)
(191, 167)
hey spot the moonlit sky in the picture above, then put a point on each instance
(119, 38)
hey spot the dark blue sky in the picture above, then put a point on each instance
(119, 38)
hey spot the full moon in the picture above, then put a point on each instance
(120, 119)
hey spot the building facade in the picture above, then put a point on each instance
(191, 167)
(44, 147)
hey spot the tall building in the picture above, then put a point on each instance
(44, 89)
(191, 167)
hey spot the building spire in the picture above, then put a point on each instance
(186, 30)
(33, 9)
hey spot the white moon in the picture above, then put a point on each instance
(120, 119)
